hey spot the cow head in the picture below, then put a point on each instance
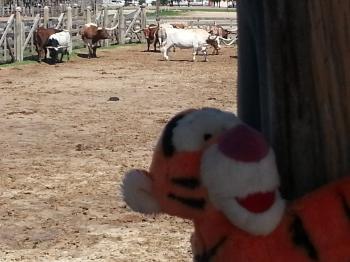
(102, 33)
(214, 41)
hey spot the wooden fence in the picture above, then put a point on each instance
(16, 31)
(16, 34)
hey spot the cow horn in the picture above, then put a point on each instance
(112, 28)
(152, 27)
(137, 31)
(228, 41)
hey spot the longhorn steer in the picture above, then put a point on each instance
(59, 43)
(197, 39)
(41, 36)
(222, 35)
(151, 35)
(91, 34)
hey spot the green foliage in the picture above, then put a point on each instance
(141, 2)
(167, 13)
(164, 2)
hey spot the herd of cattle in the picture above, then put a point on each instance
(164, 35)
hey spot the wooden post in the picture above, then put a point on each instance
(121, 28)
(2, 3)
(88, 14)
(5, 51)
(75, 10)
(143, 21)
(105, 23)
(69, 25)
(294, 86)
(96, 14)
(18, 35)
(46, 16)
(157, 11)
(62, 8)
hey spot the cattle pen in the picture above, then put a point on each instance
(18, 25)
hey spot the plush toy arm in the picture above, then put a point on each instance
(137, 192)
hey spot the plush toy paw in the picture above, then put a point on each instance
(137, 192)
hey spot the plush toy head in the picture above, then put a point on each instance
(209, 160)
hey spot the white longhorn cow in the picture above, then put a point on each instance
(197, 39)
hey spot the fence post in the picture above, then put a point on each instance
(75, 10)
(121, 28)
(143, 21)
(61, 8)
(46, 16)
(69, 25)
(2, 3)
(105, 23)
(18, 35)
(5, 50)
(88, 14)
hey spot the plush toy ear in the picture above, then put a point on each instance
(136, 189)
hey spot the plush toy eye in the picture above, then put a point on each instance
(193, 130)
(206, 137)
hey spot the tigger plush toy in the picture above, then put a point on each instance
(211, 168)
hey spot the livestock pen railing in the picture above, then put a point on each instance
(16, 33)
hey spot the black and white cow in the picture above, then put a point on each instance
(59, 43)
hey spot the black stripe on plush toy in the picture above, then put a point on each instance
(301, 238)
(345, 205)
(197, 203)
(186, 182)
(167, 139)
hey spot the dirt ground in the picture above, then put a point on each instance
(64, 148)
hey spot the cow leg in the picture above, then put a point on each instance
(62, 56)
(90, 50)
(94, 51)
(195, 51)
(205, 53)
(155, 44)
(39, 51)
(45, 53)
(165, 50)
(148, 44)
(89, 46)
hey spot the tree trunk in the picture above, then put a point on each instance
(295, 87)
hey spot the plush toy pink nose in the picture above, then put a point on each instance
(243, 143)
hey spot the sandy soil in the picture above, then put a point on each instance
(65, 147)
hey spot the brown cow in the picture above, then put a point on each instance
(179, 25)
(41, 37)
(92, 34)
(151, 35)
